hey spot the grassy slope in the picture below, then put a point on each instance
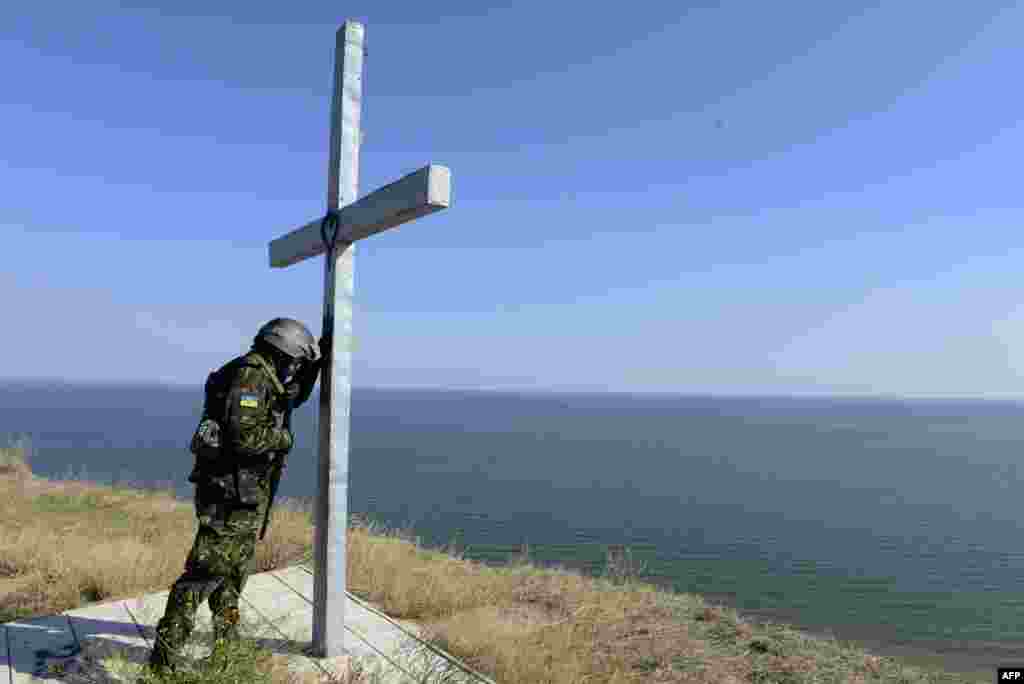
(64, 544)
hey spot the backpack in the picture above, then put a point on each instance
(207, 445)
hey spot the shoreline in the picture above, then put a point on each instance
(967, 658)
(978, 659)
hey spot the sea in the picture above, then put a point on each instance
(895, 524)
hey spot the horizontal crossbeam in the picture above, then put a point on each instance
(418, 194)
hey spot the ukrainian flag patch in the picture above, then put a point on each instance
(249, 401)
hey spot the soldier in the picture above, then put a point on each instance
(240, 447)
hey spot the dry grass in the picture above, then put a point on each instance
(65, 544)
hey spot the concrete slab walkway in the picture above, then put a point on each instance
(109, 642)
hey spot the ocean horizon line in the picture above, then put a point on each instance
(46, 382)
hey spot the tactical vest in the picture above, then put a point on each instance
(215, 467)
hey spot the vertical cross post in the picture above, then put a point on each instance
(417, 194)
(331, 518)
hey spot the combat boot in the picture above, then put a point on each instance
(220, 654)
(161, 661)
(161, 669)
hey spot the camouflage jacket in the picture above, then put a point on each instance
(245, 400)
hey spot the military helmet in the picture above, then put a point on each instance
(289, 337)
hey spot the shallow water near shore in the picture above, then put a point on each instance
(893, 523)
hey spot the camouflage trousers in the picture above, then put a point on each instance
(216, 570)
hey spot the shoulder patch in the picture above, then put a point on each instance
(249, 400)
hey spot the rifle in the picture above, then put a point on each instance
(307, 378)
(276, 470)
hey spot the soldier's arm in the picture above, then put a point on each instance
(250, 422)
(305, 382)
(308, 375)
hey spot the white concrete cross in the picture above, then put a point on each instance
(418, 194)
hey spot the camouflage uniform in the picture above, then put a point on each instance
(232, 493)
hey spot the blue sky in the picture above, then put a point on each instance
(725, 198)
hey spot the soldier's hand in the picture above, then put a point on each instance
(292, 391)
(280, 459)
